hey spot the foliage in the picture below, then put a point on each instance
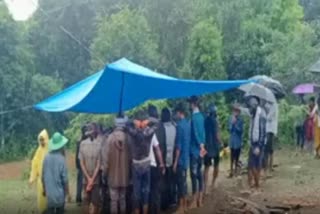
(124, 34)
(66, 40)
(205, 51)
(288, 118)
(73, 132)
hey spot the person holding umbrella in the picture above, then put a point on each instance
(257, 134)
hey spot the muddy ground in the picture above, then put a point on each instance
(295, 184)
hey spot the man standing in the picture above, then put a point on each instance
(197, 152)
(158, 140)
(257, 140)
(169, 194)
(78, 166)
(181, 163)
(213, 143)
(142, 132)
(117, 167)
(90, 157)
(236, 131)
(272, 130)
(55, 175)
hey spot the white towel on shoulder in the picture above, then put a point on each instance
(254, 131)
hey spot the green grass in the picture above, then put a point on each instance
(16, 196)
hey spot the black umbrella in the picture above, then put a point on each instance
(274, 85)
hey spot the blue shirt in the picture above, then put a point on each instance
(197, 133)
(236, 131)
(183, 142)
(55, 179)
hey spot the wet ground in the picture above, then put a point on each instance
(295, 183)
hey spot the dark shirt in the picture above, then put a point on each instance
(212, 143)
(236, 131)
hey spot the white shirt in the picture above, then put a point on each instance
(154, 143)
(171, 132)
(272, 118)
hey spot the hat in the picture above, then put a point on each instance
(121, 121)
(57, 142)
(253, 101)
(193, 99)
(212, 108)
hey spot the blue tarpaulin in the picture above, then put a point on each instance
(123, 85)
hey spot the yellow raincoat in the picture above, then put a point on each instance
(317, 133)
(36, 170)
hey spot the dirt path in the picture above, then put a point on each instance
(295, 182)
(13, 170)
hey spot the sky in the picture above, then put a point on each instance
(21, 10)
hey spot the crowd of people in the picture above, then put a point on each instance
(141, 164)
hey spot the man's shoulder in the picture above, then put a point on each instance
(53, 157)
(85, 141)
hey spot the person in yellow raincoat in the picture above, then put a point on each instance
(36, 169)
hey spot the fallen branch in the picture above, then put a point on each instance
(260, 209)
(281, 207)
(276, 211)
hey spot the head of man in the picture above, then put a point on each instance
(212, 110)
(236, 110)
(91, 130)
(165, 115)
(253, 103)
(153, 111)
(180, 111)
(194, 102)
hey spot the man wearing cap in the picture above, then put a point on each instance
(236, 131)
(197, 152)
(55, 175)
(257, 136)
(90, 160)
(213, 143)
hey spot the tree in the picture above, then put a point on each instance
(17, 80)
(124, 34)
(61, 35)
(204, 57)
